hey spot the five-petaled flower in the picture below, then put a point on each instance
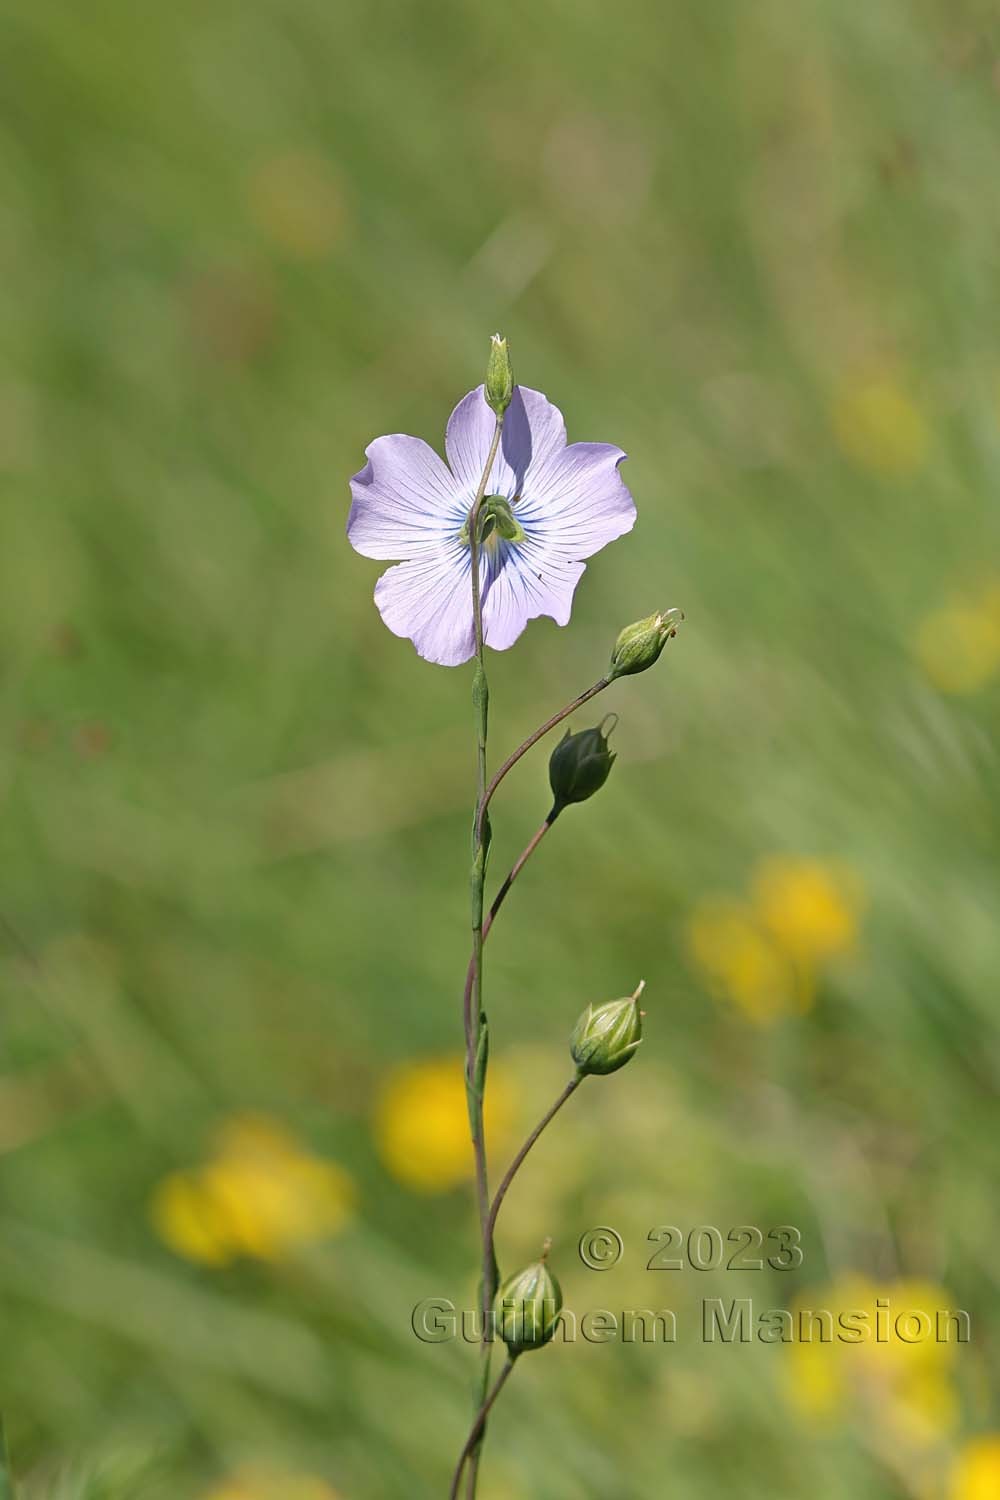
(549, 505)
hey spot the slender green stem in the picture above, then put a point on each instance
(507, 766)
(501, 895)
(533, 739)
(517, 867)
(476, 1030)
(472, 1442)
(515, 1165)
(498, 900)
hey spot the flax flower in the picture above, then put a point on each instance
(549, 505)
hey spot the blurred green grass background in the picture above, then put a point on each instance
(757, 247)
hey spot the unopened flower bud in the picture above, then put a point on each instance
(639, 645)
(606, 1036)
(499, 376)
(528, 1306)
(580, 765)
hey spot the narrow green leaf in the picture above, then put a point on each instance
(481, 698)
(482, 1057)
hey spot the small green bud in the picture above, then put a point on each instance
(528, 1306)
(495, 516)
(639, 645)
(499, 376)
(605, 1037)
(580, 765)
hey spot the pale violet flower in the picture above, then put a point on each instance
(566, 501)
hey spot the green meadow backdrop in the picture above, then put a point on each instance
(757, 247)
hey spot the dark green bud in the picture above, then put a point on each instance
(606, 1036)
(580, 765)
(528, 1306)
(639, 645)
(499, 376)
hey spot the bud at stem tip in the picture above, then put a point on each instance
(528, 1306)
(639, 645)
(499, 376)
(580, 765)
(606, 1036)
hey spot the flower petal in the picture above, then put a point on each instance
(577, 502)
(405, 502)
(534, 433)
(429, 602)
(526, 583)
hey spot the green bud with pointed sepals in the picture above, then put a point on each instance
(639, 645)
(528, 1306)
(499, 376)
(580, 765)
(606, 1036)
(496, 518)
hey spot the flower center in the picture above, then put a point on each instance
(496, 522)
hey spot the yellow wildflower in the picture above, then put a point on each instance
(188, 1221)
(743, 963)
(902, 1366)
(976, 1475)
(808, 907)
(765, 954)
(958, 645)
(815, 1383)
(259, 1194)
(422, 1122)
(879, 426)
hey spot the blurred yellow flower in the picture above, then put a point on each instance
(258, 1484)
(742, 962)
(958, 645)
(908, 1382)
(879, 426)
(976, 1475)
(187, 1219)
(422, 1122)
(764, 953)
(296, 199)
(809, 908)
(260, 1194)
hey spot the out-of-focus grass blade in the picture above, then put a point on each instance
(6, 1482)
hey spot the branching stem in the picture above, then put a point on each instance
(476, 1431)
(508, 765)
(474, 1016)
